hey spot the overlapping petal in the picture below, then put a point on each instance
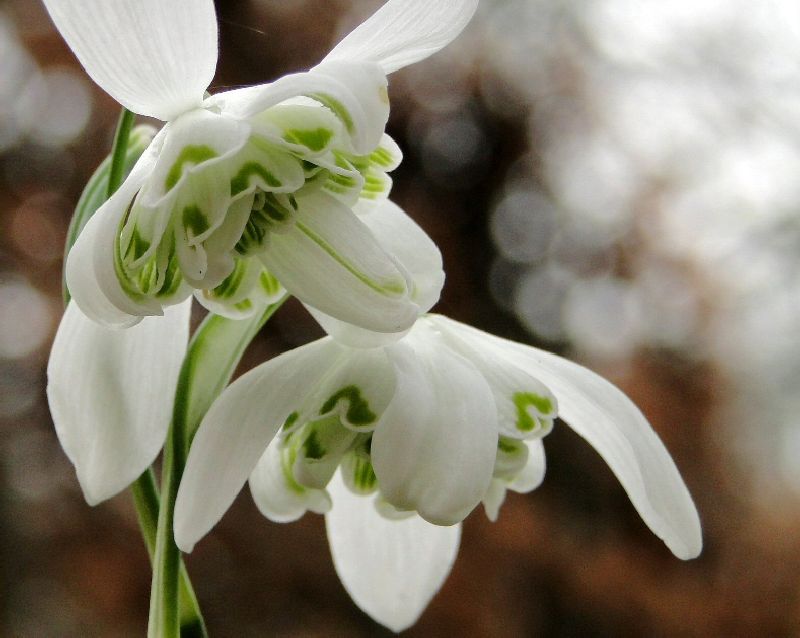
(330, 260)
(110, 393)
(237, 430)
(402, 32)
(400, 236)
(615, 427)
(278, 496)
(156, 58)
(390, 568)
(91, 264)
(355, 91)
(434, 448)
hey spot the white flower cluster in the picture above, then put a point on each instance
(398, 424)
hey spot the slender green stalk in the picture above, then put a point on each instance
(147, 501)
(120, 148)
(145, 492)
(214, 352)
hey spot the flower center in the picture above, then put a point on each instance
(222, 187)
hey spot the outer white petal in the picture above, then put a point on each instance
(532, 475)
(400, 236)
(402, 32)
(236, 431)
(526, 408)
(615, 427)
(390, 568)
(111, 392)
(154, 57)
(354, 90)
(331, 261)
(275, 498)
(435, 446)
(90, 270)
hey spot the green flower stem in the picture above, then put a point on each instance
(147, 501)
(129, 144)
(214, 352)
(120, 149)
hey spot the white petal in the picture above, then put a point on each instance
(532, 475)
(390, 568)
(614, 426)
(526, 408)
(275, 497)
(111, 392)
(402, 32)
(194, 144)
(331, 261)
(355, 91)
(434, 448)
(90, 267)
(236, 431)
(358, 389)
(154, 57)
(400, 236)
(353, 336)
(494, 498)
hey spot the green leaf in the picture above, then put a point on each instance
(213, 355)
(214, 352)
(96, 191)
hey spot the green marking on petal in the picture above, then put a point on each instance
(230, 285)
(172, 276)
(137, 246)
(269, 284)
(357, 470)
(288, 458)
(194, 220)
(512, 455)
(509, 446)
(241, 181)
(290, 420)
(338, 109)
(313, 139)
(358, 410)
(193, 155)
(312, 447)
(522, 401)
(359, 473)
(381, 157)
(397, 288)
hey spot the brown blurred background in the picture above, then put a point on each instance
(616, 180)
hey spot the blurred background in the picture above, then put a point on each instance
(614, 180)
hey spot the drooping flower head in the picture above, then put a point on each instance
(395, 441)
(248, 190)
(240, 195)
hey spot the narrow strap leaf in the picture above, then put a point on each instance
(214, 353)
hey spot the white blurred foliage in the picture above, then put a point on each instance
(49, 106)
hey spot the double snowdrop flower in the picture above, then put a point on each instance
(398, 424)
(240, 197)
(396, 444)
(249, 187)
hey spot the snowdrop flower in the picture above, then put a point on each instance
(426, 428)
(250, 187)
(285, 180)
